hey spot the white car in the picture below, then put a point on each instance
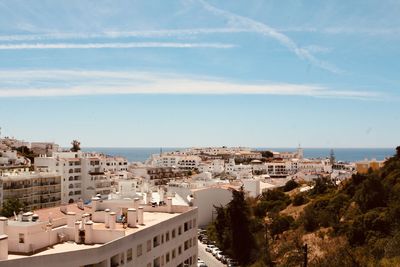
(209, 248)
(214, 251)
(201, 263)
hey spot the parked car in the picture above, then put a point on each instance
(214, 251)
(209, 248)
(201, 263)
(232, 263)
(220, 256)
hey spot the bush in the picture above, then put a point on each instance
(281, 224)
(299, 200)
(290, 185)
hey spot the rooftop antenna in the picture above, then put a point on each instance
(160, 151)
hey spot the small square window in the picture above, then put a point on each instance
(21, 238)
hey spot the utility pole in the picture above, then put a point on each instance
(305, 252)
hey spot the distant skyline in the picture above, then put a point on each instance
(186, 73)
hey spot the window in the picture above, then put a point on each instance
(129, 255)
(167, 257)
(21, 238)
(166, 236)
(148, 245)
(180, 230)
(156, 262)
(173, 254)
(179, 250)
(139, 250)
(162, 239)
(173, 233)
(185, 226)
(156, 241)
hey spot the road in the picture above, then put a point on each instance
(207, 257)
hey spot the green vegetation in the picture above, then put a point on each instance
(10, 206)
(290, 185)
(76, 146)
(354, 224)
(26, 152)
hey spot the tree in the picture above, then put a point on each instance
(222, 228)
(290, 185)
(280, 224)
(76, 146)
(267, 154)
(10, 206)
(398, 151)
(242, 242)
(371, 194)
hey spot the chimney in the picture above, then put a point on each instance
(88, 232)
(76, 232)
(3, 225)
(71, 218)
(3, 247)
(106, 217)
(148, 197)
(63, 208)
(85, 217)
(136, 201)
(132, 218)
(140, 216)
(79, 203)
(111, 220)
(169, 204)
(95, 203)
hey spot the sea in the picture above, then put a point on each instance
(141, 154)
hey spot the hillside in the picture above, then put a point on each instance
(354, 224)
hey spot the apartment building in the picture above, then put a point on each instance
(95, 236)
(35, 190)
(83, 174)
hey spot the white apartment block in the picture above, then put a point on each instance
(95, 236)
(84, 174)
(178, 161)
(215, 166)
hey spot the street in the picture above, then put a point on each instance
(207, 257)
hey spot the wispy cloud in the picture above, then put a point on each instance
(119, 34)
(75, 82)
(271, 32)
(113, 45)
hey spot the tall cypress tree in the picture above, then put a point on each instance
(242, 242)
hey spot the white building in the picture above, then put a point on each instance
(83, 236)
(10, 158)
(215, 166)
(84, 174)
(256, 186)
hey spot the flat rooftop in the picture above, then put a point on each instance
(150, 219)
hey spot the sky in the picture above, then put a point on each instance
(181, 73)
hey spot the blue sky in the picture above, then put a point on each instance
(198, 73)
